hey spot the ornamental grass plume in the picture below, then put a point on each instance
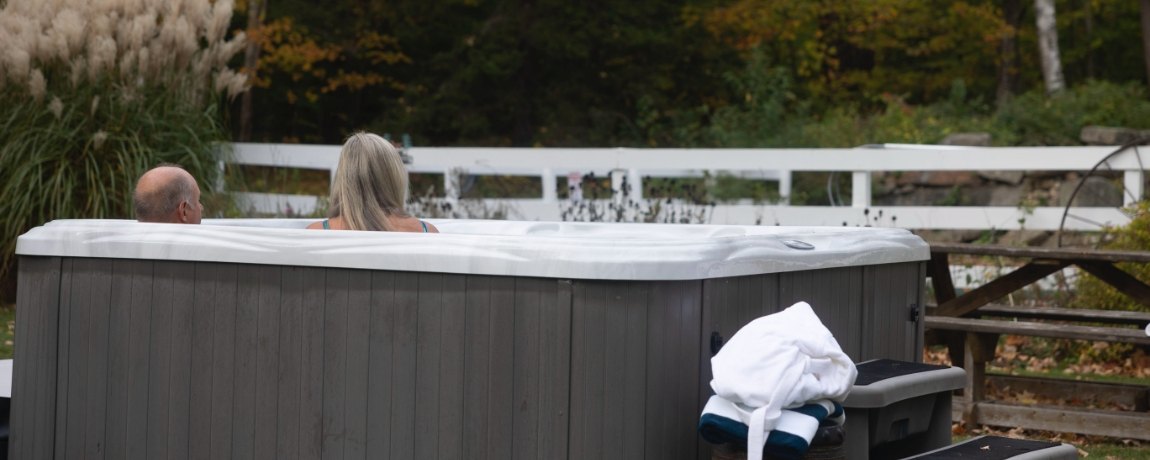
(94, 92)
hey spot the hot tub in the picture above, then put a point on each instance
(492, 339)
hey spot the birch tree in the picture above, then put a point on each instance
(1044, 17)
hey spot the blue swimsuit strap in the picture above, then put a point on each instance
(424, 224)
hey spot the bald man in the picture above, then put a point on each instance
(168, 194)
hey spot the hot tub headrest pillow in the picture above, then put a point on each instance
(780, 360)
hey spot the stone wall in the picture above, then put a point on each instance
(1005, 188)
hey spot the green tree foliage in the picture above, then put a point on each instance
(860, 50)
(675, 73)
(316, 66)
(474, 72)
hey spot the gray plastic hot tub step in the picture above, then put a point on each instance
(1000, 448)
(899, 408)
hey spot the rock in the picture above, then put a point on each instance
(1096, 192)
(1005, 177)
(1104, 135)
(938, 178)
(1005, 196)
(920, 196)
(968, 139)
(1025, 238)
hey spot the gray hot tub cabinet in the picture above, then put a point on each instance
(153, 341)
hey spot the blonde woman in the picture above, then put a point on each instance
(370, 189)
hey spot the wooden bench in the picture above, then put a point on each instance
(970, 325)
(1037, 329)
(1133, 318)
(980, 339)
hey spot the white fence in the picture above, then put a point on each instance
(766, 164)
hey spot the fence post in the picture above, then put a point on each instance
(548, 179)
(860, 189)
(636, 182)
(784, 186)
(1132, 181)
(451, 184)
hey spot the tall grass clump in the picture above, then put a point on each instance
(94, 92)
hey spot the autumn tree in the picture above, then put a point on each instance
(843, 50)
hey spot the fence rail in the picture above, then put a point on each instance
(776, 165)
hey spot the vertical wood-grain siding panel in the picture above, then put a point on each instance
(96, 402)
(835, 295)
(631, 395)
(452, 381)
(555, 364)
(381, 350)
(501, 399)
(674, 319)
(527, 363)
(179, 390)
(404, 359)
(289, 364)
(207, 282)
(119, 317)
(267, 337)
(355, 379)
(889, 292)
(35, 367)
(244, 367)
(477, 361)
(428, 337)
(588, 358)
(224, 319)
(334, 362)
(314, 308)
(139, 358)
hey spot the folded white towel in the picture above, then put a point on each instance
(726, 422)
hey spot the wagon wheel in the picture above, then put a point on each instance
(1103, 165)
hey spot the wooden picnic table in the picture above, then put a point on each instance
(1040, 263)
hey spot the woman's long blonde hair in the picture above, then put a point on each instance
(370, 183)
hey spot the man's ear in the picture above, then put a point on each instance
(182, 212)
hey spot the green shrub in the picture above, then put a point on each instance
(1034, 118)
(1135, 236)
(1090, 292)
(94, 93)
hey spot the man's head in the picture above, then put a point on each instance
(169, 194)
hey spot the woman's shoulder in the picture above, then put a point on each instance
(411, 224)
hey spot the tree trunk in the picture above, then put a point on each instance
(1146, 37)
(1008, 51)
(1089, 20)
(1044, 17)
(251, 61)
